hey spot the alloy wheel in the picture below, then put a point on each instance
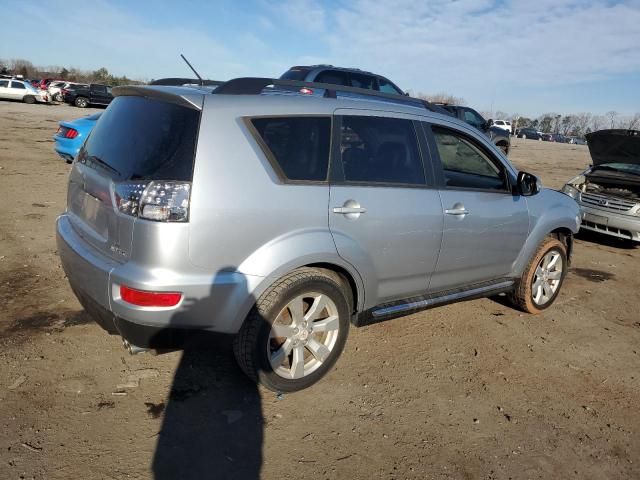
(547, 277)
(303, 335)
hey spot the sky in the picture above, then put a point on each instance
(524, 57)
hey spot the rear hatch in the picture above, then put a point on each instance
(144, 136)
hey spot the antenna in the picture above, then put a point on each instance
(193, 69)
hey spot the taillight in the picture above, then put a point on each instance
(161, 201)
(145, 298)
(67, 132)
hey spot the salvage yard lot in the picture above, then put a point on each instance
(473, 390)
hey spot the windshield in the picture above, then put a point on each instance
(620, 167)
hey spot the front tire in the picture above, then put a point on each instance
(296, 331)
(58, 97)
(540, 283)
(81, 102)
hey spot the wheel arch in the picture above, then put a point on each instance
(352, 280)
(552, 214)
(565, 235)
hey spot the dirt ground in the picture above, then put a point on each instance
(474, 390)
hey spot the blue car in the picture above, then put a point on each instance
(71, 135)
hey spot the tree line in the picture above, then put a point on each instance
(575, 124)
(19, 66)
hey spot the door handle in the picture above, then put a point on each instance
(458, 209)
(347, 210)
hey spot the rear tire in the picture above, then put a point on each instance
(81, 102)
(542, 279)
(58, 97)
(296, 331)
(30, 99)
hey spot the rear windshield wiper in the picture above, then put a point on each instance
(103, 164)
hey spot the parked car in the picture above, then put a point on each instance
(553, 137)
(83, 96)
(56, 88)
(44, 83)
(20, 90)
(350, 77)
(497, 135)
(530, 133)
(503, 124)
(72, 134)
(609, 191)
(189, 210)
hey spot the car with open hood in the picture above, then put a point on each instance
(609, 190)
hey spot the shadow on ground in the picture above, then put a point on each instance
(601, 239)
(213, 423)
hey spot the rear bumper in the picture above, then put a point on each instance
(609, 223)
(216, 303)
(66, 148)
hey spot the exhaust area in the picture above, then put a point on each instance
(133, 349)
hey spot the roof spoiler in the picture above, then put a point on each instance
(177, 96)
(257, 85)
(178, 82)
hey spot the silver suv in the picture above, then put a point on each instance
(281, 212)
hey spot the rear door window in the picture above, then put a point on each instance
(18, 85)
(298, 147)
(140, 138)
(380, 150)
(334, 77)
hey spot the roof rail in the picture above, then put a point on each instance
(257, 85)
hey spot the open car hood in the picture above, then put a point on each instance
(614, 146)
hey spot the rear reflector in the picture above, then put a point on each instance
(144, 298)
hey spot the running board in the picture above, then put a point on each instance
(416, 304)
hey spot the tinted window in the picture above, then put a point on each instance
(296, 74)
(141, 138)
(299, 145)
(18, 85)
(4, 83)
(472, 118)
(359, 80)
(386, 86)
(380, 150)
(333, 77)
(465, 164)
(99, 88)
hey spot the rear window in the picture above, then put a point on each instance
(297, 146)
(138, 138)
(296, 74)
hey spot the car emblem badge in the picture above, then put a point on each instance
(603, 202)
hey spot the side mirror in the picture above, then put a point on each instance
(528, 184)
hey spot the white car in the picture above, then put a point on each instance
(12, 89)
(503, 124)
